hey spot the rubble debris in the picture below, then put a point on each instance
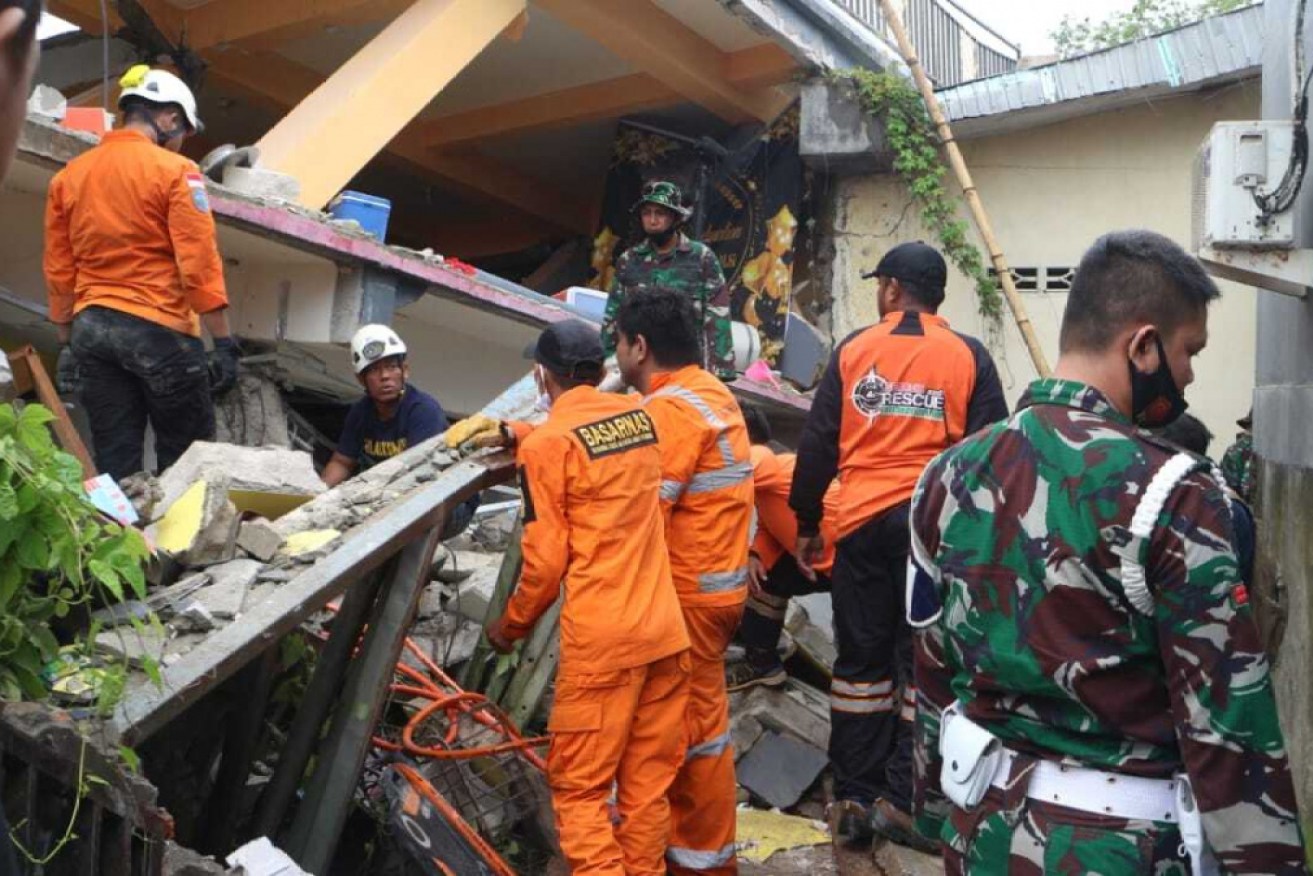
(253, 414)
(200, 527)
(143, 491)
(493, 531)
(121, 613)
(259, 539)
(276, 471)
(134, 644)
(302, 545)
(260, 857)
(463, 564)
(762, 834)
(897, 860)
(227, 592)
(171, 599)
(474, 595)
(193, 617)
(814, 640)
(795, 709)
(182, 861)
(779, 769)
(744, 731)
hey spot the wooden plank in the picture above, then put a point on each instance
(31, 376)
(313, 837)
(145, 710)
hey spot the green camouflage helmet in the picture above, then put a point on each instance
(664, 194)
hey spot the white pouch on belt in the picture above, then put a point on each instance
(971, 755)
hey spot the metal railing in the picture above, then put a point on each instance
(953, 45)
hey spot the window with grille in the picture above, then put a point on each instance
(1037, 279)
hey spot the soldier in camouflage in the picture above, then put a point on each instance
(1238, 461)
(1109, 649)
(667, 258)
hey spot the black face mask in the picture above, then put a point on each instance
(1155, 400)
(664, 237)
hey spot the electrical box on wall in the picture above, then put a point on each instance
(1237, 161)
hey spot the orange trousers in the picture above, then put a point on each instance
(702, 798)
(623, 728)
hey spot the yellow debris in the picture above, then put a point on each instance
(762, 834)
(183, 520)
(305, 542)
(470, 428)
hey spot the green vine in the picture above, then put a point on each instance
(56, 552)
(915, 145)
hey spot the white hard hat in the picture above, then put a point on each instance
(372, 343)
(161, 88)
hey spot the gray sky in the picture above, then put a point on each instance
(1028, 22)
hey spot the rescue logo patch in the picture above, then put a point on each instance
(200, 200)
(874, 395)
(617, 434)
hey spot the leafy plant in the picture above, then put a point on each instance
(1076, 36)
(56, 551)
(915, 145)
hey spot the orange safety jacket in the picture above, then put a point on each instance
(591, 477)
(128, 227)
(706, 485)
(777, 527)
(894, 396)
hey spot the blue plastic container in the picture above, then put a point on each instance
(372, 213)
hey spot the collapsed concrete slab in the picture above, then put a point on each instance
(795, 709)
(259, 539)
(287, 476)
(200, 527)
(779, 769)
(226, 594)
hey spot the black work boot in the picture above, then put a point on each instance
(850, 822)
(759, 668)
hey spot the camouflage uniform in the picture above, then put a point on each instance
(1014, 537)
(1238, 466)
(692, 268)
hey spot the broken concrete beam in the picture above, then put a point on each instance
(259, 539)
(200, 527)
(792, 709)
(779, 769)
(227, 592)
(287, 475)
(744, 731)
(260, 183)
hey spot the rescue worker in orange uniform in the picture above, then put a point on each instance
(774, 573)
(894, 395)
(706, 490)
(133, 271)
(591, 478)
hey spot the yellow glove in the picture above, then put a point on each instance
(472, 429)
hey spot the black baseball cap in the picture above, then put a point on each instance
(572, 348)
(916, 262)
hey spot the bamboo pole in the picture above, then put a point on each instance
(978, 214)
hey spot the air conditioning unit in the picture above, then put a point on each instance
(1236, 161)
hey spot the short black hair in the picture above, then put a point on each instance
(929, 297)
(1188, 433)
(27, 32)
(568, 382)
(759, 431)
(669, 322)
(1131, 277)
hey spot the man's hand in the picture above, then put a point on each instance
(810, 548)
(496, 633)
(756, 576)
(223, 365)
(478, 431)
(68, 372)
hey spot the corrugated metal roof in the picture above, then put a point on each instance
(1224, 46)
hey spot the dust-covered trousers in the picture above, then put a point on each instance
(702, 798)
(872, 700)
(621, 729)
(134, 371)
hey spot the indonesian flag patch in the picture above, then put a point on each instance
(199, 198)
(1240, 595)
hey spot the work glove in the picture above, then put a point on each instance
(68, 372)
(476, 432)
(223, 365)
